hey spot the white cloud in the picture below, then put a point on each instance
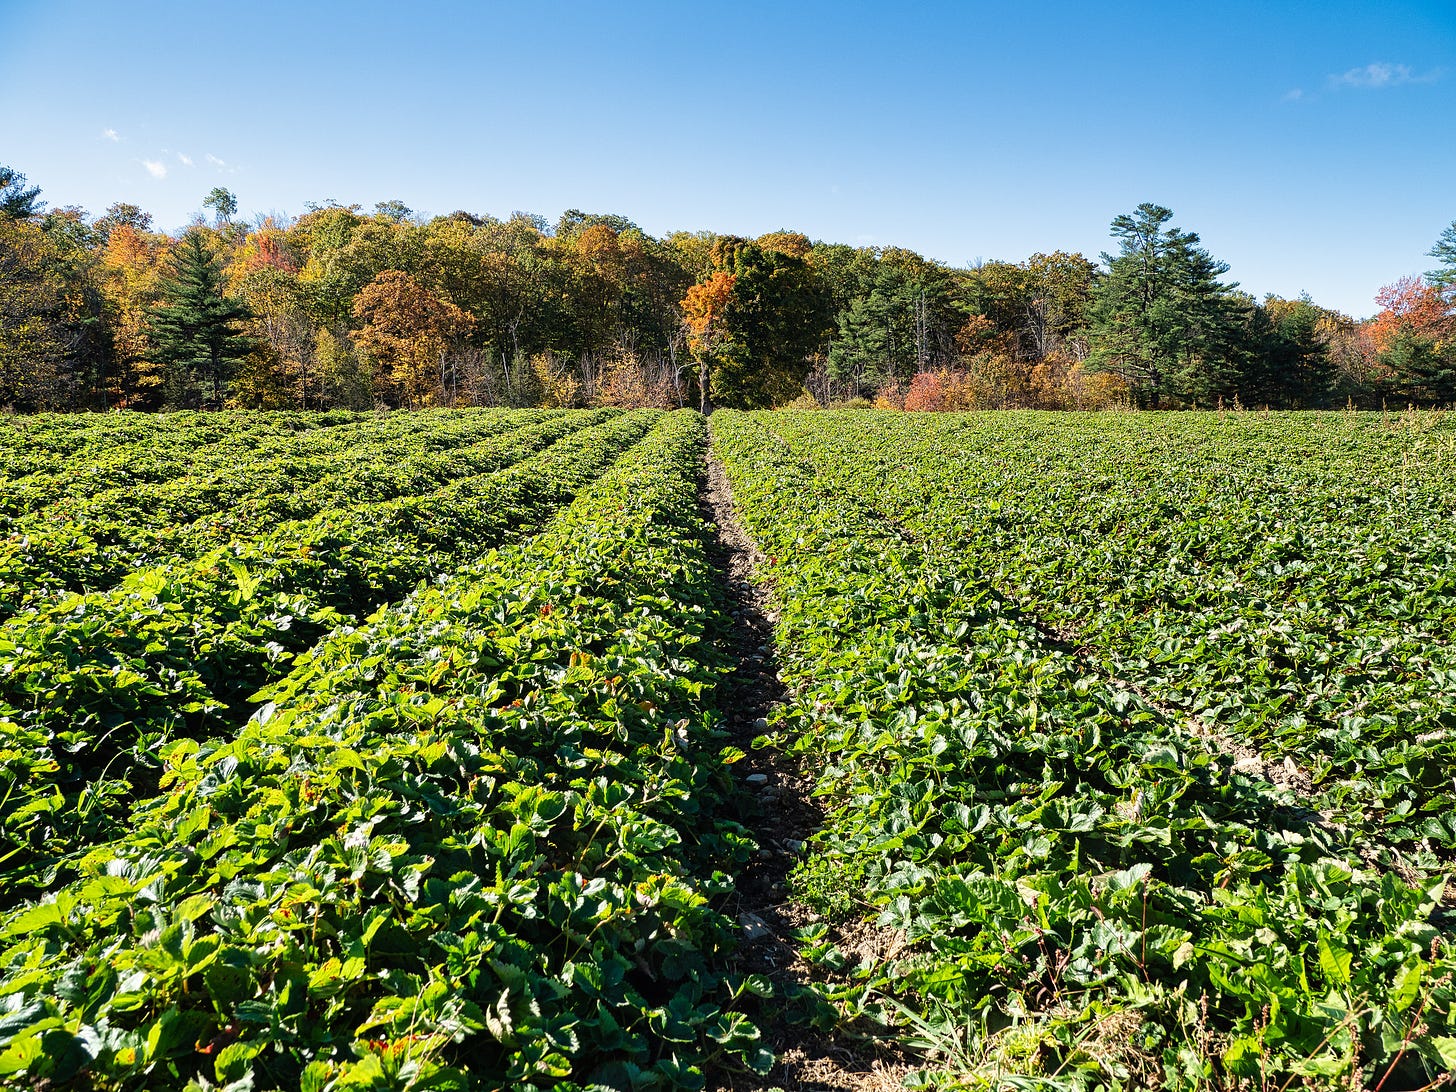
(184, 159)
(155, 167)
(1381, 74)
(215, 161)
(111, 135)
(1295, 95)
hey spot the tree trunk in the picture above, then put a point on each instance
(705, 404)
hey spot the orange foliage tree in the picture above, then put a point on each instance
(408, 330)
(705, 314)
(1410, 303)
(266, 248)
(926, 393)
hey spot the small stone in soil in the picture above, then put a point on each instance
(754, 930)
(757, 779)
(761, 724)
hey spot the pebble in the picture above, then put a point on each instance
(793, 845)
(761, 724)
(754, 929)
(757, 779)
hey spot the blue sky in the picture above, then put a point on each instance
(1312, 145)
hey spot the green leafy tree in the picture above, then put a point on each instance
(222, 202)
(1056, 289)
(777, 316)
(195, 328)
(32, 330)
(54, 343)
(395, 211)
(122, 214)
(1161, 319)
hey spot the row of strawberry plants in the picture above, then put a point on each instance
(96, 684)
(183, 460)
(45, 441)
(1271, 578)
(119, 450)
(90, 543)
(470, 844)
(1083, 891)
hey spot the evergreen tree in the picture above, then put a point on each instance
(860, 352)
(1422, 368)
(1444, 251)
(1288, 363)
(195, 326)
(1160, 318)
(17, 201)
(776, 316)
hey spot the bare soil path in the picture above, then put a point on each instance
(782, 818)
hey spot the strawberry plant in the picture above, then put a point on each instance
(1082, 887)
(98, 683)
(472, 842)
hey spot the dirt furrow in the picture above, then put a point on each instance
(782, 817)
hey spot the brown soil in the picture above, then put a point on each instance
(782, 820)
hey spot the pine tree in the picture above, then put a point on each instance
(195, 326)
(1160, 318)
(1444, 251)
(861, 351)
(1422, 368)
(1288, 359)
(17, 202)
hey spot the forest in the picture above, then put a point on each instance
(339, 308)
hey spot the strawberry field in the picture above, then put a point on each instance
(412, 751)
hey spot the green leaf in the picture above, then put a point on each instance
(1334, 962)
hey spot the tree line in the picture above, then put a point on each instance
(339, 307)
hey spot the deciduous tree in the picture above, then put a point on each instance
(222, 202)
(705, 314)
(1409, 304)
(409, 330)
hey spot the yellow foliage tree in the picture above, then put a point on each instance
(130, 277)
